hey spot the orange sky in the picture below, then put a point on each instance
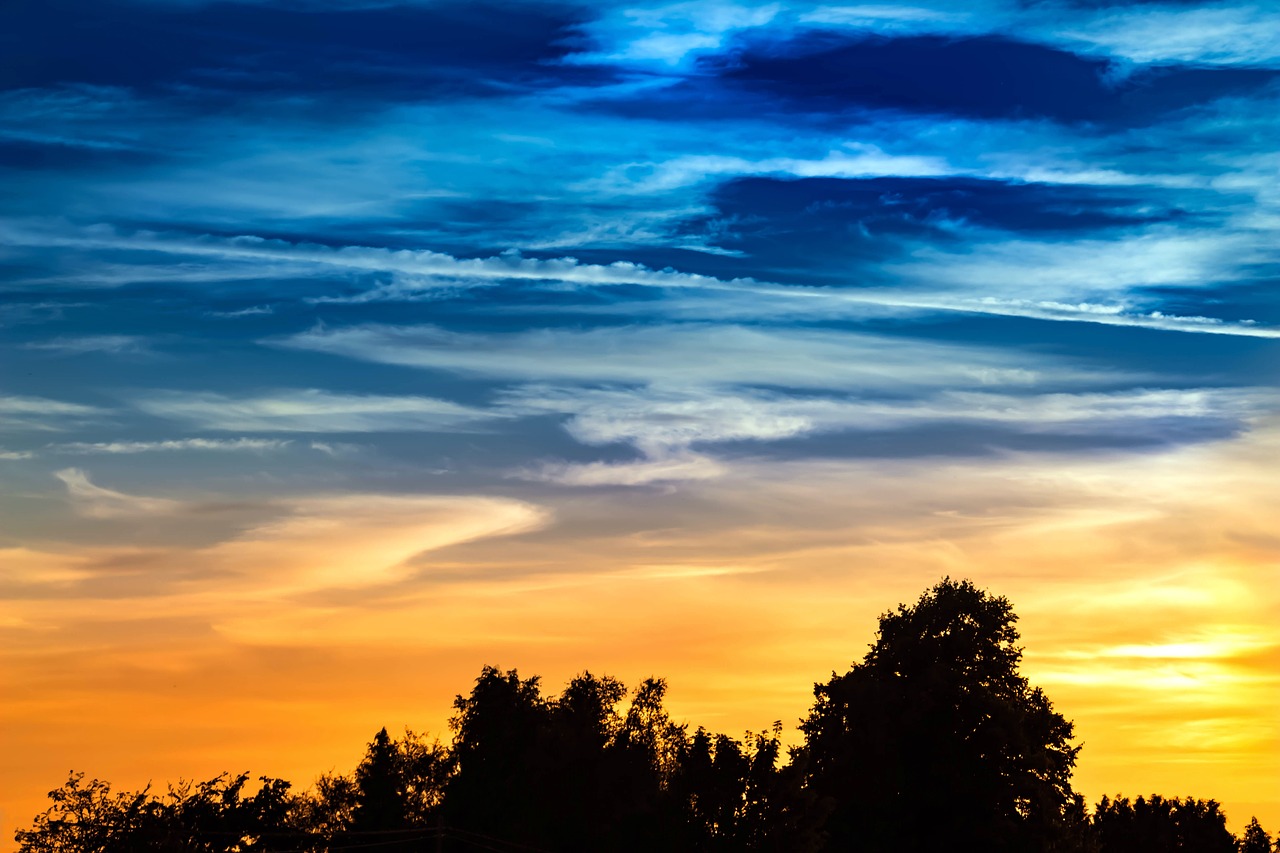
(1146, 587)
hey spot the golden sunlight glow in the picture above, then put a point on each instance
(1148, 590)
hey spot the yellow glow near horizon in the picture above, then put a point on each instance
(1147, 589)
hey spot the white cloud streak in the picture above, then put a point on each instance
(424, 265)
(666, 426)
(857, 160)
(97, 502)
(311, 411)
(39, 413)
(1063, 275)
(256, 445)
(682, 355)
(86, 344)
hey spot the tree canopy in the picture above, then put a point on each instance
(937, 720)
(932, 741)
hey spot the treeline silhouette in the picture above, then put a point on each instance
(933, 742)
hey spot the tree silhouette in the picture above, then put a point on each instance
(1255, 839)
(204, 817)
(935, 740)
(497, 730)
(1161, 825)
(85, 816)
(735, 797)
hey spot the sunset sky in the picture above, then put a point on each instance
(347, 346)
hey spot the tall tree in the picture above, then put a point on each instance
(1255, 839)
(936, 741)
(498, 731)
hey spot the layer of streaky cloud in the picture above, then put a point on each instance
(327, 541)
(673, 36)
(256, 445)
(424, 266)
(655, 418)
(854, 160)
(361, 540)
(671, 430)
(311, 410)
(1101, 272)
(1157, 258)
(1220, 34)
(172, 445)
(87, 344)
(40, 413)
(685, 354)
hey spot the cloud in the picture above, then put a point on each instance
(311, 411)
(251, 311)
(1062, 273)
(662, 468)
(343, 541)
(1077, 282)
(682, 354)
(25, 567)
(83, 345)
(352, 541)
(668, 35)
(857, 160)
(335, 449)
(424, 267)
(39, 413)
(96, 502)
(256, 445)
(666, 426)
(1158, 257)
(1223, 34)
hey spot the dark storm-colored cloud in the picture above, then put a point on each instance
(390, 51)
(806, 222)
(55, 154)
(823, 74)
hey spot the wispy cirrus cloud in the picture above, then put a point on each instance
(87, 344)
(425, 266)
(312, 411)
(256, 445)
(682, 355)
(39, 413)
(1064, 274)
(672, 430)
(674, 35)
(98, 502)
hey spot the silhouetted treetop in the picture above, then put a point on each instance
(933, 742)
(1161, 825)
(935, 738)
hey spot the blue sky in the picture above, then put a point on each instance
(603, 268)
(258, 200)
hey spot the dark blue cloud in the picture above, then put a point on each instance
(38, 154)
(400, 51)
(824, 75)
(804, 223)
(955, 439)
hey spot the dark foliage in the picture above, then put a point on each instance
(208, 817)
(934, 741)
(1159, 825)
(1255, 839)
